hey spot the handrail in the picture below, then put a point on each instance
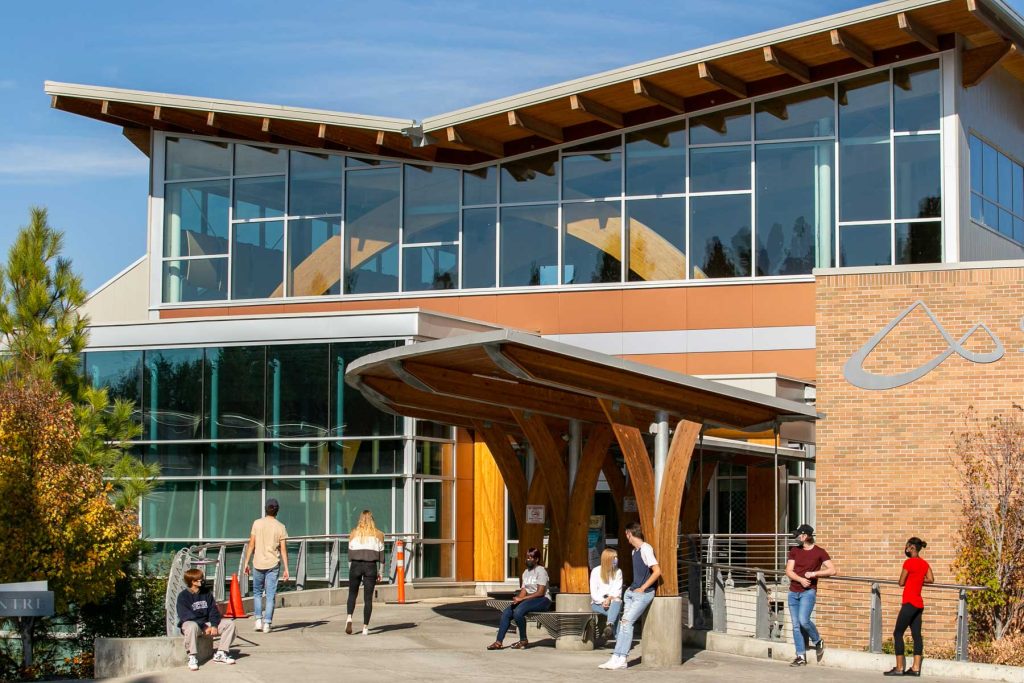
(290, 539)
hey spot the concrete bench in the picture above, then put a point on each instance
(558, 624)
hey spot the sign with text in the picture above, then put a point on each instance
(629, 503)
(26, 603)
(430, 509)
(534, 514)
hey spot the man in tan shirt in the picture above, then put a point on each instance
(268, 551)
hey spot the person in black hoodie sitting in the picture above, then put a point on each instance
(198, 613)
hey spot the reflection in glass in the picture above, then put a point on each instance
(990, 172)
(259, 198)
(592, 250)
(977, 154)
(196, 218)
(229, 508)
(794, 207)
(431, 199)
(188, 158)
(233, 392)
(802, 114)
(303, 505)
(314, 257)
(351, 414)
(367, 456)
(349, 497)
(171, 510)
(257, 260)
(173, 459)
(252, 160)
(656, 160)
(480, 186)
(195, 280)
(915, 94)
(919, 177)
(120, 372)
(864, 245)
(1018, 190)
(534, 179)
(529, 246)
(479, 247)
(173, 387)
(372, 212)
(864, 107)
(720, 236)
(298, 457)
(864, 180)
(1005, 181)
(227, 459)
(437, 509)
(731, 125)
(719, 168)
(594, 175)
(430, 267)
(297, 390)
(657, 239)
(977, 208)
(314, 184)
(919, 242)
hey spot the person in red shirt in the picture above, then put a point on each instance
(805, 564)
(916, 572)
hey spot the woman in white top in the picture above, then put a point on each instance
(606, 590)
(365, 555)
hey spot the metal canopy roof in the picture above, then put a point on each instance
(482, 377)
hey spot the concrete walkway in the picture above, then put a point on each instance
(445, 639)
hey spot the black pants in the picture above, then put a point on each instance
(366, 572)
(908, 616)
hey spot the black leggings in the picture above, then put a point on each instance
(366, 572)
(908, 616)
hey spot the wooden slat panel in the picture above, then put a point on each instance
(671, 495)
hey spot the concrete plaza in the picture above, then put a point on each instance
(445, 639)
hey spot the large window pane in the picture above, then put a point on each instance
(314, 184)
(919, 242)
(657, 239)
(656, 160)
(303, 505)
(713, 169)
(919, 177)
(196, 218)
(731, 125)
(227, 459)
(257, 260)
(592, 251)
(297, 390)
(990, 173)
(534, 179)
(234, 392)
(864, 107)
(259, 198)
(171, 510)
(430, 267)
(173, 391)
(916, 103)
(188, 158)
(479, 247)
(803, 114)
(864, 180)
(865, 245)
(372, 212)
(1005, 181)
(437, 509)
(173, 459)
(977, 156)
(720, 236)
(349, 497)
(435, 459)
(120, 372)
(367, 456)
(480, 186)
(229, 508)
(794, 207)
(195, 280)
(252, 160)
(298, 457)
(529, 246)
(431, 199)
(595, 175)
(351, 414)
(314, 257)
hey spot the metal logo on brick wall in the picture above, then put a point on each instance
(856, 375)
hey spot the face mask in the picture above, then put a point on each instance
(907, 553)
(615, 563)
(530, 564)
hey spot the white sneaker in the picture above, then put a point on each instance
(223, 657)
(611, 660)
(619, 663)
(193, 663)
(266, 627)
(366, 630)
(258, 626)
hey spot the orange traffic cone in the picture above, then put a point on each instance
(235, 609)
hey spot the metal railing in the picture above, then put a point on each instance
(751, 601)
(316, 558)
(744, 550)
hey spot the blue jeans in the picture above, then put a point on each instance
(614, 608)
(264, 579)
(634, 604)
(519, 612)
(800, 607)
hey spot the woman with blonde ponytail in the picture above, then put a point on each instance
(606, 590)
(365, 554)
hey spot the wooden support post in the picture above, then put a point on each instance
(981, 61)
(575, 574)
(496, 439)
(552, 472)
(673, 481)
(638, 464)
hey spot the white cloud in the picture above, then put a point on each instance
(53, 159)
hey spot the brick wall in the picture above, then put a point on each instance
(884, 458)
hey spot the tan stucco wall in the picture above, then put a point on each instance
(123, 299)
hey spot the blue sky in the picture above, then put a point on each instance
(408, 59)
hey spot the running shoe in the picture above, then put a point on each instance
(799, 661)
(223, 657)
(193, 663)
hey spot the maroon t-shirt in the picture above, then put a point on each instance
(806, 561)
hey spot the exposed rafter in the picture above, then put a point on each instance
(597, 110)
(915, 30)
(994, 22)
(659, 95)
(186, 120)
(248, 128)
(470, 140)
(843, 41)
(548, 131)
(710, 73)
(979, 63)
(332, 135)
(786, 63)
(391, 144)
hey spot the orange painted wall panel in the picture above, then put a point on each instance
(719, 307)
(590, 312)
(653, 309)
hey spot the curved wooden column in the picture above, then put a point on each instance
(673, 482)
(497, 441)
(575, 567)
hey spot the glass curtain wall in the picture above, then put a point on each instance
(232, 426)
(846, 173)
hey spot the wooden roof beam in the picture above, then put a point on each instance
(710, 73)
(531, 124)
(331, 134)
(981, 61)
(995, 23)
(184, 119)
(915, 30)
(388, 148)
(844, 42)
(659, 95)
(140, 137)
(785, 62)
(474, 141)
(596, 110)
(125, 112)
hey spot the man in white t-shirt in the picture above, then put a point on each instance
(268, 551)
(638, 597)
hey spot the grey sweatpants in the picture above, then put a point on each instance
(191, 631)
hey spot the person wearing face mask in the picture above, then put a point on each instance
(532, 597)
(916, 572)
(606, 590)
